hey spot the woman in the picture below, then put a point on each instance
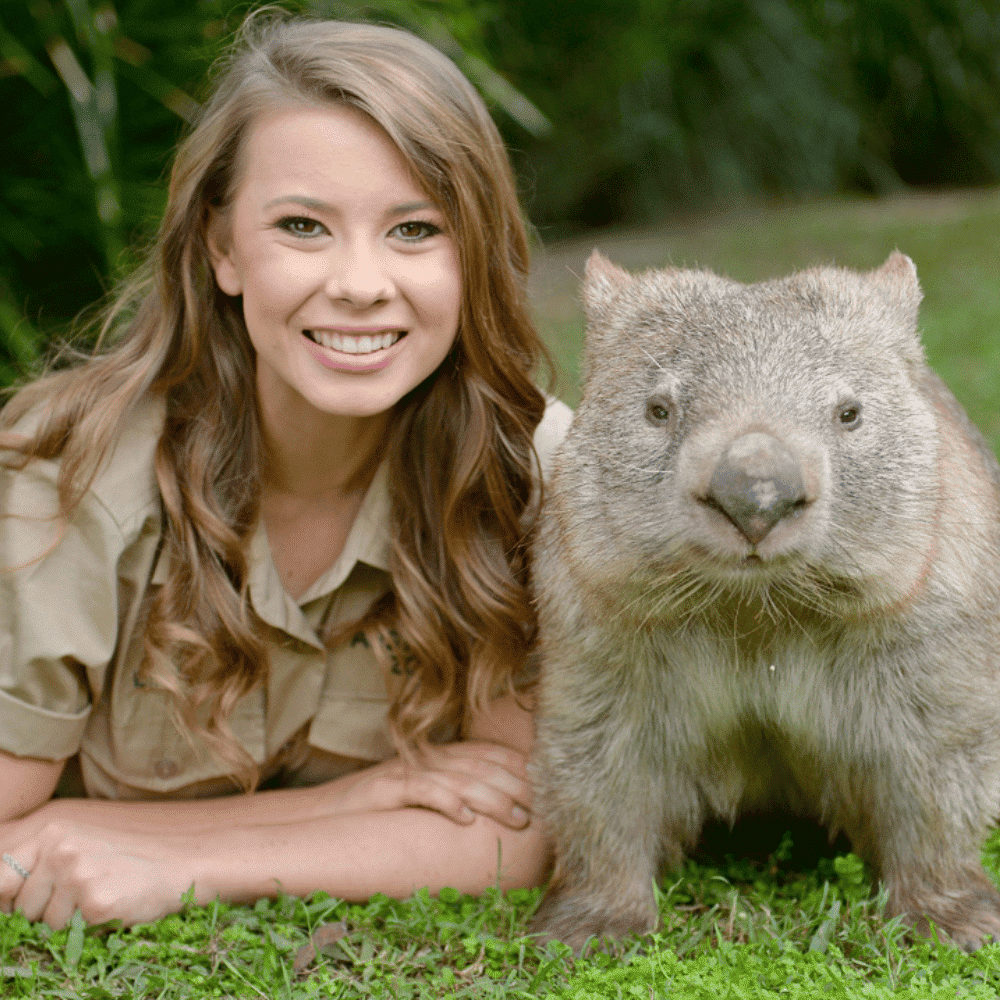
(275, 535)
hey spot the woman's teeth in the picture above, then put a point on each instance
(366, 344)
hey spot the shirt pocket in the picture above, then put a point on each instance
(351, 718)
(141, 745)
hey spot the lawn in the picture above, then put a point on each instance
(753, 918)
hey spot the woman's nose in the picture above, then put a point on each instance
(357, 275)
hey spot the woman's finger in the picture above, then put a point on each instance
(53, 888)
(482, 798)
(478, 772)
(457, 780)
(34, 895)
(515, 785)
(16, 866)
(10, 885)
(60, 908)
(512, 761)
(425, 790)
(12, 873)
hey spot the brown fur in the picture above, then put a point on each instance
(845, 664)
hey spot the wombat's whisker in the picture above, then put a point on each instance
(670, 601)
(651, 358)
(705, 599)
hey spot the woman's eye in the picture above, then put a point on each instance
(413, 232)
(301, 225)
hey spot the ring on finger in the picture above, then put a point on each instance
(12, 862)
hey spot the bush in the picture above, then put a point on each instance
(662, 104)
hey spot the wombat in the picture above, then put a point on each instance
(768, 569)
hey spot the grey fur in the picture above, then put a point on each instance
(845, 665)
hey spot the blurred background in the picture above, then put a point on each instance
(750, 136)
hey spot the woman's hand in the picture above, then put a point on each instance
(71, 866)
(459, 780)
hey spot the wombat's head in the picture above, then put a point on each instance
(767, 438)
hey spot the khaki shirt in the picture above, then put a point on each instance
(70, 648)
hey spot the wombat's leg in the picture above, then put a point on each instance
(942, 883)
(606, 857)
(966, 906)
(925, 848)
(604, 799)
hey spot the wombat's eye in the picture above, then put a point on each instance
(849, 416)
(658, 410)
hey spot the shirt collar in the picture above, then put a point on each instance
(367, 542)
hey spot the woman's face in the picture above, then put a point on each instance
(350, 279)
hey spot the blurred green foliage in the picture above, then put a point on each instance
(665, 103)
(94, 98)
(614, 112)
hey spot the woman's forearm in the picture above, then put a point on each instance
(354, 855)
(459, 817)
(286, 805)
(458, 780)
(139, 877)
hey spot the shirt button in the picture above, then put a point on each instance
(165, 768)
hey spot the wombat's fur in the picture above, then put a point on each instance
(769, 572)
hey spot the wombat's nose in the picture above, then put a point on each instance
(756, 483)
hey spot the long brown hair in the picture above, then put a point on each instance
(461, 473)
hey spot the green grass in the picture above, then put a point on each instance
(954, 239)
(739, 931)
(732, 930)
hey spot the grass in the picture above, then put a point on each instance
(739, 931)
(732, 928)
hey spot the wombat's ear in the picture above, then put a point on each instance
(602, 281)
(898, 278)
(900, 273)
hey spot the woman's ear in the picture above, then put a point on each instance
(227, 274)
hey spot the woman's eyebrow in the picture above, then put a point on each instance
(300, 199)
(322, 206)
(411, 206)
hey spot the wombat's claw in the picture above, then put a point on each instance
(974, 935)
(968, 919)
(575, 925)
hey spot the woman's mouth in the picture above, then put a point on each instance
(347, 343)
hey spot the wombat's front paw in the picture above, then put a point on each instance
(575, 919)
(969, 916)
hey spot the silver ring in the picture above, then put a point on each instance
(12, 862)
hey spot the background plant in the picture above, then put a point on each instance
(631, 111)
(94, 98)
(664, 103)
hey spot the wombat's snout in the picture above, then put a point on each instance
(756, 483)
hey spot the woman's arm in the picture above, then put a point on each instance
(354, 856)
(137, 871)
(459, 780)
(26, 783)
(138, 878)
(483, 775)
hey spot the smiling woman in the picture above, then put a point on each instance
(365, 256)
(275, 535)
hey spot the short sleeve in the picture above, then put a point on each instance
(549, 435)
(550, 432)
(58, 612)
